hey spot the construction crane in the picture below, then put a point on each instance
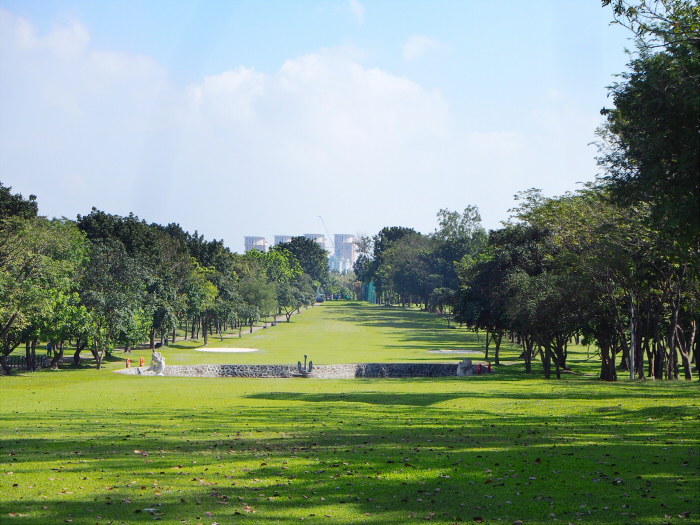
(330, 239)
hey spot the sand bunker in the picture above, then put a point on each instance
(226, 350)
(473, 352)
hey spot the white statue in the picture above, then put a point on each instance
(464, 368)
(157, 363)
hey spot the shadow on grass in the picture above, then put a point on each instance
(377, 467)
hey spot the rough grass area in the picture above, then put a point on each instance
(87, 446)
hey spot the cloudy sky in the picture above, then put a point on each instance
(256, 117)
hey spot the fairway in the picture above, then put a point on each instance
(86, 446)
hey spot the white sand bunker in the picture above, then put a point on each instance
(227, 350)
(479, 352)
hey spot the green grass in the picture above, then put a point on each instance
(96, 447)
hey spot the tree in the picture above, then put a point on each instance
(200, 298)
(112, 289)
(312, 258)
(292, 296)
(659, 22)
(369, 268)
(650, 145)
(16, 205)
(406, 267)
(38, 258)
(259, 294)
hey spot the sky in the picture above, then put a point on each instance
(239, 118)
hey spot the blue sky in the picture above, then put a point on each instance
(254, 118)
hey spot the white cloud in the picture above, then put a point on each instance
(358, 11)
(418, 45)
(116, 129)
(242, 151)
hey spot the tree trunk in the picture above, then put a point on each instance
(6, 328)
(97, 354)
(153, 338)
(608, 372)
(685, 359)
(174, 333)
(33, 360)
(499, 337)
(527, 343)
(57, 355)
(547, 360)
(78, 348)
(3, 360)
(187, 326)
(205, 322)
(685, 346)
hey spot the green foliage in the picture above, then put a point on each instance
(260, 294)
(312, 258)
(112, 290)
(279, 265)
(651, 140)
(659, 22)
(39, 261)
(16, 205)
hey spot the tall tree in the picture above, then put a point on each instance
(312, 258)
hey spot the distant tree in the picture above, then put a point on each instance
(293, 295)
(382, 242)
(406, 267)
(347, 282)
(112, 290)
(312, 258)
(364, 244)
(259, 294)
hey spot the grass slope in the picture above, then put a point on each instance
(84, 446)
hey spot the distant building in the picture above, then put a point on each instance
(345, 247)
(279, 239)
(318, 238)
(255, 243)
(336, 264)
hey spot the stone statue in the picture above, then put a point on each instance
(464, 368)
(157, 363)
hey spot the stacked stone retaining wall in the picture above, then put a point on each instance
(351, 371)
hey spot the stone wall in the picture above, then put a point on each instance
(359, 370)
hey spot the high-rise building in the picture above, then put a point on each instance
(336, 264)
(345, 247)
(255, 243)
(279, 239)
(318, 238)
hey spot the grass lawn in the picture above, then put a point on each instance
(87, 446)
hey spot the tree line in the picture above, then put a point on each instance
(615, 264)
(103, 281)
